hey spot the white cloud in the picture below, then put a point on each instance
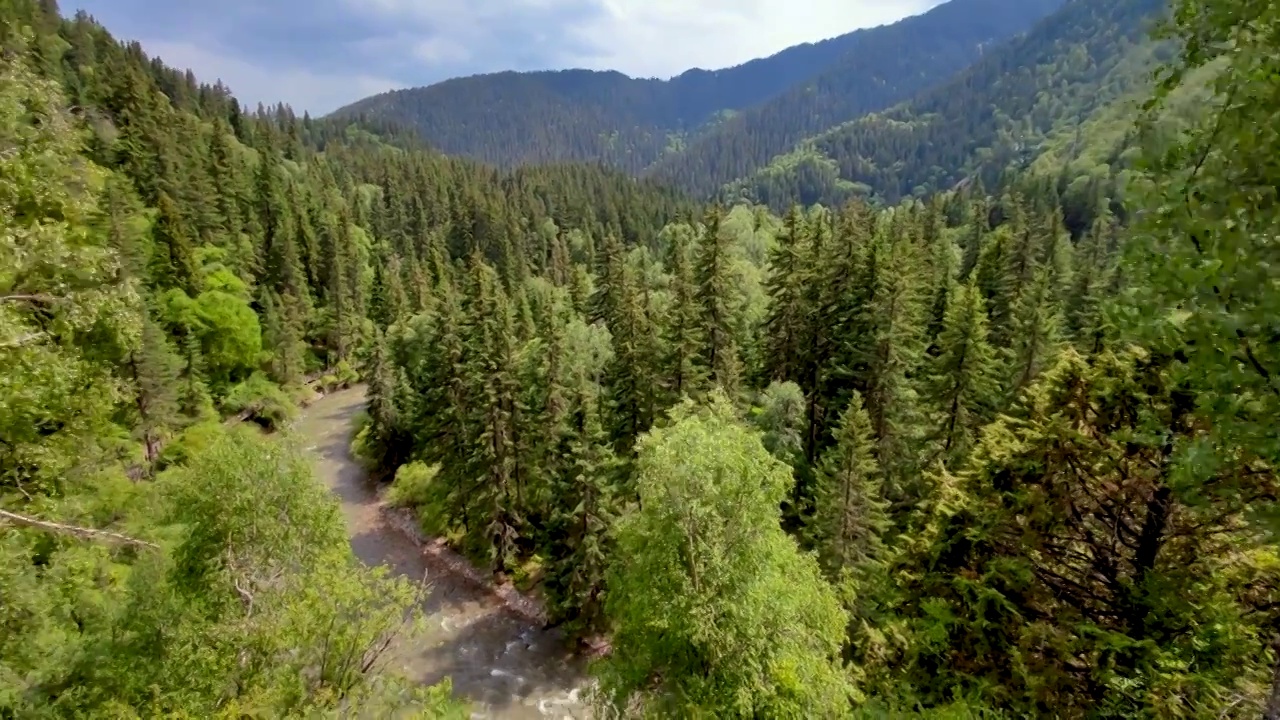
(638, 37)
(665, 37)
(321, 54)
(252, 83)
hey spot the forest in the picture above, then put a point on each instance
(988, 451)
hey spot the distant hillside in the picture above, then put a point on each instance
(1017, 101)
(545, 117)
(888, 65)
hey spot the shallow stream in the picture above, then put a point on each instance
(506, 666)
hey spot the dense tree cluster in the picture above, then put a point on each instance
(967, 454)
(169, 260)
(1006, 487)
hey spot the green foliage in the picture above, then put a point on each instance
(1028, 435)
(709, 594)
(412, 487)
(990, 119)
(260, 400)
(236, 612)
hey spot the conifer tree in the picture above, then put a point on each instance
(682, 332)
(715, 288)
(489, 371)
(194, 400)
(945, 268)
(891, 320)
(975, 237)
(1034, 340)
(850, 516)
(1090, 284)
(784, 328)
(383, 416)
(281, 333)
(962, 381)
(173, 263)
(155, 369)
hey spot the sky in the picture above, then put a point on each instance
(318, 55)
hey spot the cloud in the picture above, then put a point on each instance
(320, 54)
(252, 83)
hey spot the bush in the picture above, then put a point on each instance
(360, 449)
(347, 376)
(412, 487)
(329, 383)
(265, 402)
(191, 442)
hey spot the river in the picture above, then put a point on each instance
(505, 666)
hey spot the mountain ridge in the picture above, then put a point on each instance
(513, 118)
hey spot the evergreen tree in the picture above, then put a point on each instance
(891, 323)
(1035, 336)
(489, 371)
(173, 263)
(784, 328)
(281, 333)
(715, 288)
(962, 379)
(684, 372)
(155, 370)
(850, 517)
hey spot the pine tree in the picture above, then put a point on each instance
(715, 289)
(962, 380)
(489, 371)
(784, 328)
(682, 332)
(944, 265)
(890, 357)
(155, 369)
(1090, 284)
(383, 416)
(194, 400)
(173, 263)
(1035, 339)
(850, 516)
(281, 334)
(975, 238)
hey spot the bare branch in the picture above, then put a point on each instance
(80, 532)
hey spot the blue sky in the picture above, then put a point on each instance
(318, 55)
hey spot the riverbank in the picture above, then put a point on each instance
(489, 641)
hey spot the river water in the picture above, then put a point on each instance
(505, 666)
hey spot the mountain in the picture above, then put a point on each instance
(515, 118)
(994, 116)
(888, 65)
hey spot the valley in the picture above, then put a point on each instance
(926, 371)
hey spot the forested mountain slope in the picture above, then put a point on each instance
(991, 118)
(891, 64)
(524, 118)
(946, 458)
(169, 260)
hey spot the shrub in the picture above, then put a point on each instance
(265, 402)
(412, 487)
(347, 375)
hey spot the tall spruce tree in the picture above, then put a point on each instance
(963, 380)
